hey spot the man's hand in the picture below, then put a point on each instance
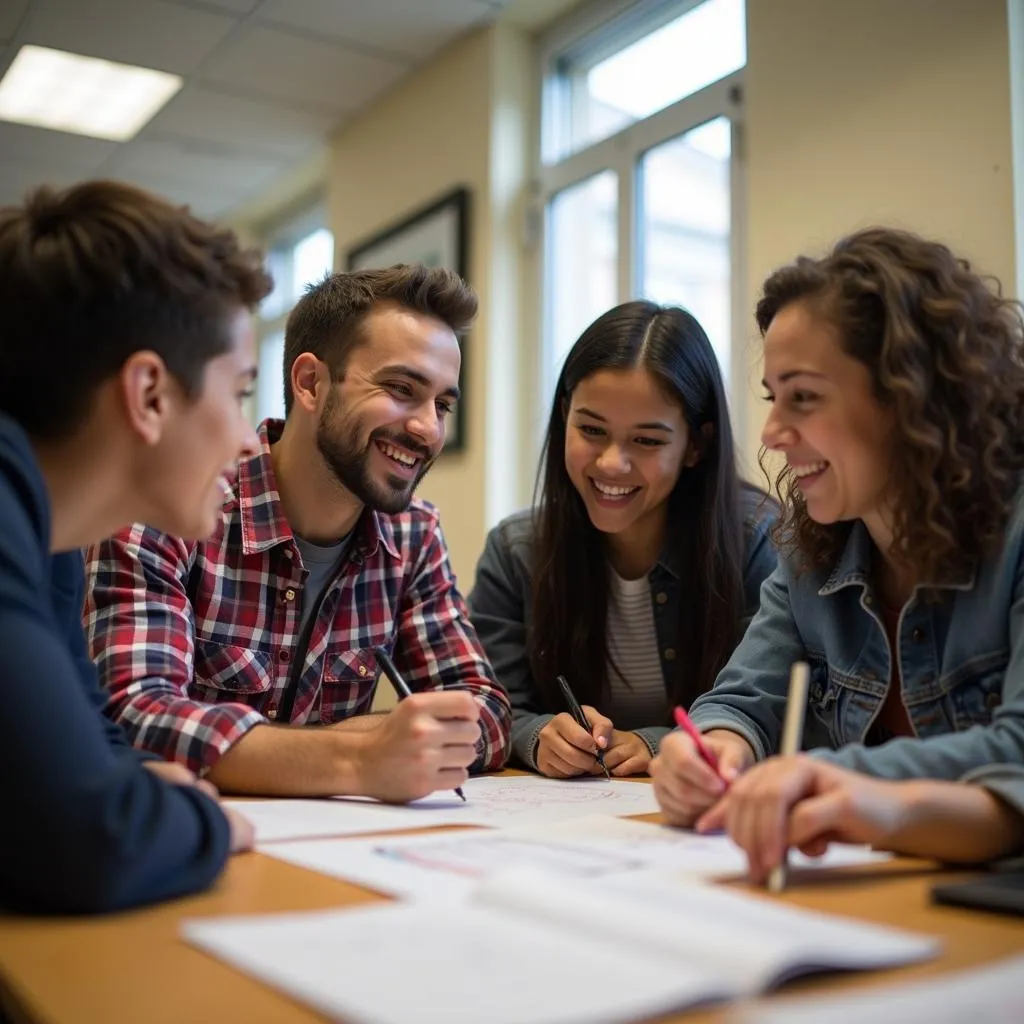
(565, 749)
(179, 775)
(427, 743)
(627, 754)
(242, 833)
(685, 784)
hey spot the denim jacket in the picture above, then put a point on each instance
(961, 663)
(501, 607)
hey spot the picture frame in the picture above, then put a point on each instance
(437, 235)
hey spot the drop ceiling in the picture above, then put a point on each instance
(266, 82)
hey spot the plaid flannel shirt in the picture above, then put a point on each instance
(194, 642)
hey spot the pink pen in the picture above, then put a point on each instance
(684, 722)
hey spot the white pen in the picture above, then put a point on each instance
(792, 738)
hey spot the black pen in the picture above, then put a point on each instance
(581, 719)
(401, 688)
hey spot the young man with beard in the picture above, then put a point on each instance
(249, 657)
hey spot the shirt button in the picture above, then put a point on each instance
(917, 635)
(661, 597)
(869, 600)
(272, 714)
(284, 655)
(670, 654)
(289, 594)
(362, 670)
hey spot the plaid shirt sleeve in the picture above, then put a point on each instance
(438, 648)
(139, 623)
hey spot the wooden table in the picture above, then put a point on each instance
(133, 967)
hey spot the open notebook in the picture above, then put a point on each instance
(530, 948)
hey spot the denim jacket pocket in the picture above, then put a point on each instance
(230, 669)
(974, 699)
(349, 682)
(822, 699)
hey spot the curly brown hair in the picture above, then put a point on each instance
(945, 351)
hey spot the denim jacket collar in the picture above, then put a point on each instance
(854, 567)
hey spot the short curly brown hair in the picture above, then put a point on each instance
(945, 351)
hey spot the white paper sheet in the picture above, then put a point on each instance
(490, 800)
(535, 948)
(277, 820)
(445, 866)
(993, 994)
(525, 799)
(418, 964)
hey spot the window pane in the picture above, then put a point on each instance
(685, 217)
(279, 300)
(270, 381)
(582, 256)
(705, 44)
(312, 257)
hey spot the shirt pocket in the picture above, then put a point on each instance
(350, 678)
(974, 698)
(229, 669)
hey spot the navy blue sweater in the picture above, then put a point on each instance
(83, 826)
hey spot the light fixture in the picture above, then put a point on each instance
(85, 95)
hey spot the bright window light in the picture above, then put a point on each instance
(84, 95)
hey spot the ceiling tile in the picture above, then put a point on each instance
(11, 13)
(258, 126)
(281, 66)
(17, 179)
(191, 164)
(205, 202)
(23, 144)
(233, 6)
(415, 28)
(150, 33)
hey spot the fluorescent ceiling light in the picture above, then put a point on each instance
(84, 95)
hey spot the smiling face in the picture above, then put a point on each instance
(184, 476)
(383, 425)
(826, 420)
(626, 442)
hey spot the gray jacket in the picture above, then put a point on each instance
(501, 606)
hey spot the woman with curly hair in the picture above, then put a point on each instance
(896, 377)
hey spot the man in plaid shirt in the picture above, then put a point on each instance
(224, 654)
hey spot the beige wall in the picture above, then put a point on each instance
(892, 111)
(876, 111)
(431, 134)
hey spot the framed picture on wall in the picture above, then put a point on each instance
(436, 235)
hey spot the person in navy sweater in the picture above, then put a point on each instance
(126, 352)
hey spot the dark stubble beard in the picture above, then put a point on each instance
(350, 463)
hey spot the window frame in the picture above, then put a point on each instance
(279, 239)
(599, 30)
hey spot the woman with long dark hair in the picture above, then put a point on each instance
(638, 568)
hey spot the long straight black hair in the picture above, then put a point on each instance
(704, 525)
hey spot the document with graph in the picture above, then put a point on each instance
(496, 801)
(531, 947)
(445, 865)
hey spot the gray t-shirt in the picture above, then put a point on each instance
(638, 699)
(321, 560)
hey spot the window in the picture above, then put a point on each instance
(639, 175)
(299, 255)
